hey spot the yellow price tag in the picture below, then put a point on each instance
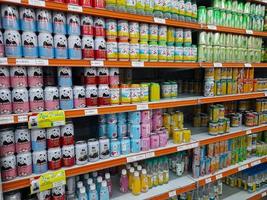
(48, 181)
(47, 119)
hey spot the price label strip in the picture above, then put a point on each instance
(89, 112)
(187, 146)
(256, 163)
(142, 107)
(207, 180)
(136, 158)
(3, 61)
(242, 167)
(37, 3)
(217, 64)
(138, 64)
(75, 8)
(6, 119)
(47, 119)
(24, 61)
(219, 176)
(97, 63)
(172, 193)
(159, 20)
(212, 27)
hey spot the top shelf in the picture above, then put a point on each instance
(133, 17)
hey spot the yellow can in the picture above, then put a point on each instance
(144, 95)
(217, 74)
(174, 119)
(154, 92)
(213, 128)
(209, 73)
(229, 73)
(214, 112)
(235, 73)
(166, 119)
(197, 120)
(177, 136)
(187, 135)
(224, 87)
(229, 87)
(224, 73)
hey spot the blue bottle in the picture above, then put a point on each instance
(98, 183)
(104, 193)
(93, 195)
(82, 194)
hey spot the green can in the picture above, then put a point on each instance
(222, 54)
(216, 16)
(228, 19)
(210, 16)
(235, 22)
(209, 38)
(216, 39)
(216, 54)
(245, 21)
(223, 18)
(209, 53)
(228, 5)
(202, 38)
(222, 39)
(202, 15)
(240, 7)
(202, 49)
(240, 20)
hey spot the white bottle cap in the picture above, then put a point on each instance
(107, 176)
(123, 172)
(132, 170)
(86, 176)
(128, 166)
(99, 179)
(94, 174)
(135, 164)
(89, 181)
(79, 184)
(136, 173)
(139, 167)
(104, 184)
(144, 171)
(82, 190)
(92, 187)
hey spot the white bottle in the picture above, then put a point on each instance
(82, 195)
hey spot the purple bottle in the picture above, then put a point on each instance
(109, 183)
(124, 181)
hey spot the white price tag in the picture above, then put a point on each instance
(25, 61)
(3, 61)
(248, 132)
(256, 163)
(212, 27)
(219, 176)
(247, 65)
(250, 32)
(75, 8)
(89, 112)
(23, 118)
(263, 194)
(60, 183)
(138, 64)
(187, 146)
(135, 158)
(242, 167)
(159, 20)
(150, 154)
(97, 63)
(142, 107)
(59, 123)
(217, 64)
(41, 62)
(37, 3)
(207, 180)
(172, 193)
(6, 119)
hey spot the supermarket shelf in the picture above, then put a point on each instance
(128, 16)
(184, 100)
(199, 138)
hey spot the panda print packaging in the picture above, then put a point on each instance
(53, 137)
(39, 160)
(75, 47)
(44, 21)
(79, 96)
(58, 193)
(12, 41)
(66, 98)
(20, 100)
(46, 45)
(23, 139)
(88, 47)
(59, 22)
(4, 77)
(54, 158)
(24, 164)
(38, 139)
(87, 25)
(36, 99)
(7, 142)
(10, 17)
(8, 168)
(2, 46)
(74, 23)
(18, 76)
(67, 134)
(29, 45)
(64, 76)
(27, 19)
(68, 157)
(61, 46)
(51, 98)
(35, 76)
(89, 76)
(5, 101)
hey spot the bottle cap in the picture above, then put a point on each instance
(92, 186)
(77, 178)
(89, 181)
(135, 164)
(82, 190)
(132, 170)
(128, 166)
(136, 173)
(79, 184)
(95, 174)
(104, 184)
(107, 175)
(123, 172)
(139, 167)
(143, 171)
(86, 176)
(99, 179)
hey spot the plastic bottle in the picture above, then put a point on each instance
(139, 169)
(130, 6)
(104, 194)
(158, 8)
(149, 7)
(85, 177)
(78, 186)
(88, 184)
(144, 181)
(131, 174)
(109, 183)
(82, 194)
(93, 195)
(136, 186)
(94, 174)
(98, 183)
(124, 181)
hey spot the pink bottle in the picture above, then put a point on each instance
(145, 130)
(124, 181)
(163, 139)
(145, 116)
(109, 183)
(154, 141)
(145, 144)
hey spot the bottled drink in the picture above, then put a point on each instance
(104, 194)
(93, 195)
(136, 186)
(109, 183)
(144, 181)
(124, 181)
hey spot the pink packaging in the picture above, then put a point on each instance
(156, 122)
(114, 76)
(24, 164)
(163, 139)
(145, 116)
(4, 77)
(86, 3)
(75, 2)
(8, 168)
(145, 130)
(18, 77)
(36, 99)
(35, 76)
(99, 3)
(154, 141)
(145, 144)
(20, 99)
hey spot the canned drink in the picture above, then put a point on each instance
(8, 168)
(162, 50)
(125, 146)
(115, 148)
(123, 30)
(171, 35)
(153, 32)
(103, 95)
(134, 117)
(18, 77)
(134, 131)
(20, 100)
(122, 117)
(59, 23)
(100, 48)
(90, 76)
(66, 98)
(104, 148)
(46, 45)
(135, 145)
(53, 137)
(144, 92)
(88, 47)
(91, 95)
(112, 130)
(5, 102)
(123, 51)
(7, 142)
(144, 51)
(38, 139)
(61, 44)
(114, 76)
(29, 45)
(67, 134)
(102, 130)
(154, 141)
(93, 149)
(54, 158)
(74, 24)
(87, 25)
(112, 50)
(70, 185)
(44, 20)
(75, 47)
(81, 152)
(99, 26)
(27, 19)
(12, 42)
(162, 33)
(122, 130)
(209, 88)
(145, 143)
(111, 27)
(2, 46)
(111, 118)
(45, 195)
(135, 93)
(145, 116)
(134, 51)
(24, 164)
(143, 34)
(153, 51)
(39, 160)
(178, 35)
(202, 16)
(4, 77)
(177, 136)
(23, 140)
(36, 97)
(10, 17)
(134, 30)
(178, 53)
(125, 94)
(166, 89)
(79, 97)
(35, 76)
(58, 192)
(170, 53)
(163, 139)
(51, 95)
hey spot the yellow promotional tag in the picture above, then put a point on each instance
(48, 181)
(47, 119)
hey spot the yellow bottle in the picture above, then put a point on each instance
(144, 181)
(150, 180)
(160, 177)
(136, 184)
(166, 176)
(155, 179)
(139, 169)
(130, 178)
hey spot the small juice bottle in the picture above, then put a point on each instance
(124, 181)
(131, 174)
(136, 185)
(144, 181)
(150, 180)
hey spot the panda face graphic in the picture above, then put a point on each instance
(35, 71)
(54, 133)
(8, 164)
(83, 156)
(12, 38)
(67, 153)
(27, 14)
(29, 39)
(19, 96)
(56, 156)
(66, 94)
(4, 72)
(59, 18)
(7, 139)
(94, 153)
(23, 160)
(41, 159)
(43, 15)
(103, 72)
(64, 71)
(102, 45)
(58, 191)
(22, 136)
(73, 20)
(67, 130)
(48, 41)
(90, 72)
(87, 21)
(37, 95)
(10, 12)
(77, 44)
(61, 41)
(88, 43)
(93, 93)
(18, 71)
(41, 135)
(5, 97)
(99, 22)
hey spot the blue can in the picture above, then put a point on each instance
(111, 118)
(122, 117)
(202, 152)
(12, 41)
(125, 146)
(61, 44)
(10, 17)
(59, 23)
(74, 47)
(115, 148)
(122, 130)
(112, 130)
(66, 98)
(135, 145)
(64, 76)
(196, 171)
(74, 23)
(202, 167)
(39, 159)
(46, 45)
(221, 161)
(134, 130)
(27, 19)
(38, 139)
(102, 119)
(207, 165)
(44, 21)
(134, 117)
(29, 45)
(102, 129)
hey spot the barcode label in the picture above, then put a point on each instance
(3, 61)
(37, 3)
(207, 180)
(23, 118)
(75, 8)
(242, 167)
(159, 20)
(135, 158)
(142, 107)
(249, 32)
(138, 64)
(219, 176)
(217, 64)
(172, 193)
(212, 27)
(97, 63)
(89, 112)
